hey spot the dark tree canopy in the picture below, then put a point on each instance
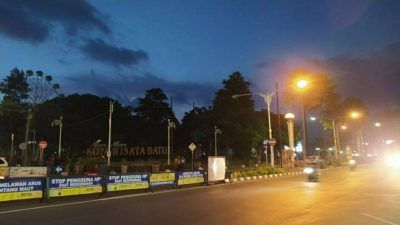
(15, 86)
(152, 116)
(235, 117)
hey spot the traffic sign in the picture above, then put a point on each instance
(192, 147)
(272, 141)
(59, 169)
(43, 144)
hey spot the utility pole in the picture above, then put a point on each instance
(267, 99)
(12, 149)
(171, 124)
(59, 124)
(335, 139)
(109, 133)
(24, 153)
(216, 132)
(279, 123)
(304, 128)
(60, 137)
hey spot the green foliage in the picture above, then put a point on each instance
(257, 171)
(152, 116)
(235, 117)
(15, 87)
(196, 127)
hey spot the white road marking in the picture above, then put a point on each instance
(379, 219)
(98, 200)
(121, 197)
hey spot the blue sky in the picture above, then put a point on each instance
(121, 48)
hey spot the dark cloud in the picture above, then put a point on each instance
(32, 21)
(182, 93)
(99, 50)
(15, 24)
(268, 64)
(373, 76)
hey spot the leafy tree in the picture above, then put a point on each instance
(15, 86)
(152, 116)
(235, 117)
(196, 127)
(320, 93)
(85, 121)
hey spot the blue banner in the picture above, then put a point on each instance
(21, 188)
(128, 182)
(74, 186)
(191, 177)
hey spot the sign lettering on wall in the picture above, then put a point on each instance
(127, 182)
(21, 188)
(157, 179)
(192, 177)
(123, 150)
(26, 171)
(59, 187)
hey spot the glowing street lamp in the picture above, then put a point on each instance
(313, 118)
(355, 115)
(377, 124)
(302, 83)
(343, 127)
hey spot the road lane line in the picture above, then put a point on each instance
(121, 197)
(99, 200)
(379, 219)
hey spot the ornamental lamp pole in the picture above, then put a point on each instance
(290, 123)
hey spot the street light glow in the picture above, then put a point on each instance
(289, 116)
(343, 127)
(302, 84)
(377, 124)
(355, 115)
(389, 142)
(313, 118)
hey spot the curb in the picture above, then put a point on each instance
(276, 175)
(263, 177)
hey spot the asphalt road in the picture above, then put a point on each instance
(369, 195)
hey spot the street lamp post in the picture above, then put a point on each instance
(59, 124)
(171, 124)
(335, 139)
(304, 128)
(12, 149)
(302, 84)
(109, 133)
(290, 123)
(267, 99)
(216, 132)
